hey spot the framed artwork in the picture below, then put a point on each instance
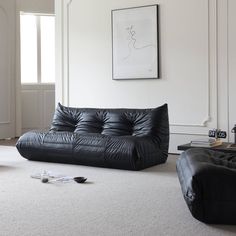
(135, 43)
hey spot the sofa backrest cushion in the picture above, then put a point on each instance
(113, 122)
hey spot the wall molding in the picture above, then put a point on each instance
(211, 117)
(62, 9)
(66, 52)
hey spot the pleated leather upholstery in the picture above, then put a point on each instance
(118, 138)
(208, 183)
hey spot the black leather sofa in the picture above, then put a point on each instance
(131, 139)
(208, 183)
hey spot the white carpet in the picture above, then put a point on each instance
(112, 202)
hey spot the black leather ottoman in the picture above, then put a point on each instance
(208, 183)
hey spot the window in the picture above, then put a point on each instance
(37, 34)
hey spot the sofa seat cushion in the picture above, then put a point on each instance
(46, 146)
(124, 152)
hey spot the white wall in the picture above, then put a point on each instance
(37, 6)
(195, 80)
(232, 63)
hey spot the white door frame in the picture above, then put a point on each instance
(27, 6)
(7, 65)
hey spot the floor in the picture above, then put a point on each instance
(8, 142)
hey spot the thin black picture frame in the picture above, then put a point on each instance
(135, 43)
